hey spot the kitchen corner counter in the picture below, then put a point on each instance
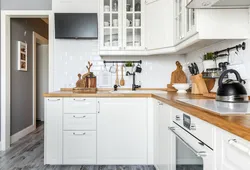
(237, 125)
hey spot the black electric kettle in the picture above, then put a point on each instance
(231, 90)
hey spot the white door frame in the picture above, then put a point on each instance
(43, 41)
(6, 15)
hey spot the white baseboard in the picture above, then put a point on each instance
(22, 133)
(0, 146)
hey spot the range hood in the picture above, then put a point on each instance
(218, 4)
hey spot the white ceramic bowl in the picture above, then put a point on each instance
(181, 87)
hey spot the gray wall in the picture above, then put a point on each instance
(26, 4)
(21, 82)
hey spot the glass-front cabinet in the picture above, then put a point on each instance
(133, 24)
(111, 24)
(121, 23)
(184, 20)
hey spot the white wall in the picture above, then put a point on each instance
(71, 57)
(243, 57)
(41, 79)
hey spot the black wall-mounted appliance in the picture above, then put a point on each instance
(76, 26)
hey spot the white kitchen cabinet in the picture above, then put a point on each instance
(111, 25)
(53, 131)
(122, 27)
(232, 152)
(79, 147)
(197, 28)
(122, 131)
(162, 136)
(159, 24)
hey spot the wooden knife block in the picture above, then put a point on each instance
(198, 85)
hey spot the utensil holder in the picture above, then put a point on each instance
(198, 85)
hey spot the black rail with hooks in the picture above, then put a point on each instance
(237, 48)
(122, 62)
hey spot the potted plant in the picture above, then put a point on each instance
(129, 66)
(209, 61)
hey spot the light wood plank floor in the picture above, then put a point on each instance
(27, 154)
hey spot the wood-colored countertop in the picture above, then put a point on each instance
(238, 125)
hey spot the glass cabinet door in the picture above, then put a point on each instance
(111, 24)
(133, 24)
(179, 19)
(190, 20)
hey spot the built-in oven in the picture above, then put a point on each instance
(191, 153)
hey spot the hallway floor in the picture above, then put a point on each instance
(27, 154)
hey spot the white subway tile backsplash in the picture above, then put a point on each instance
(235, 58)
(72, 56)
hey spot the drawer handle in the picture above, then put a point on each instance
(239, 146)
(79, 134)
(53, 99)
(79, 99)
(79, 116)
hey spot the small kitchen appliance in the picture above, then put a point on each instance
(231, 90)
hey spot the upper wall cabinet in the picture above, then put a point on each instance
(121, 27)
(197, 28)
(159, 24)
(75, 6)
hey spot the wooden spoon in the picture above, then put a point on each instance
(117, 79)
(122, 81)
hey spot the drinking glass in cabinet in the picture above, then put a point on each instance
(106, 5)
(137, 5)
(115, 5)
(129, 5)
(129, 37)
(129, 22)
(115, 37)
(137, 20)
(106, 20)
(106, 37)
(115, 22)
(137, 42)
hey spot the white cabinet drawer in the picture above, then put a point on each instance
(79, 122)
(79, 105)
(79, 147)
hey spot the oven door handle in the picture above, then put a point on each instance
(198, 154)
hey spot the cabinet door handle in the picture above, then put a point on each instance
(79, 116)
(79, 134)
(79, 99)
(54, 99)
(99, 105)
(161, 104)
(239, 146)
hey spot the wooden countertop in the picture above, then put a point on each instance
(238, 125)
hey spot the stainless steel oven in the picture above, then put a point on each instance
(191, 153)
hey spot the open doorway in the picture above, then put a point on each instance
(6, 16)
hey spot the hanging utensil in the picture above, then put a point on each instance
(122, 81)
(117, 79)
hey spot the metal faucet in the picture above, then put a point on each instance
(134, 86)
